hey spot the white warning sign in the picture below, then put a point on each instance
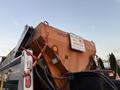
(77, 43)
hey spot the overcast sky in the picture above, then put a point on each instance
(97, 20)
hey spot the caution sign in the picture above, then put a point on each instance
(77, 43)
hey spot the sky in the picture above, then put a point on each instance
(96, 20)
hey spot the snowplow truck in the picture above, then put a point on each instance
(47, 58)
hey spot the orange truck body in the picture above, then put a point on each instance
(59, 44)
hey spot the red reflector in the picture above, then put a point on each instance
(28, 81)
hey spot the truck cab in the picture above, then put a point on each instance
(12, 73)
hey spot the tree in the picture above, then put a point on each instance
(113, 64)
(100, 64)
